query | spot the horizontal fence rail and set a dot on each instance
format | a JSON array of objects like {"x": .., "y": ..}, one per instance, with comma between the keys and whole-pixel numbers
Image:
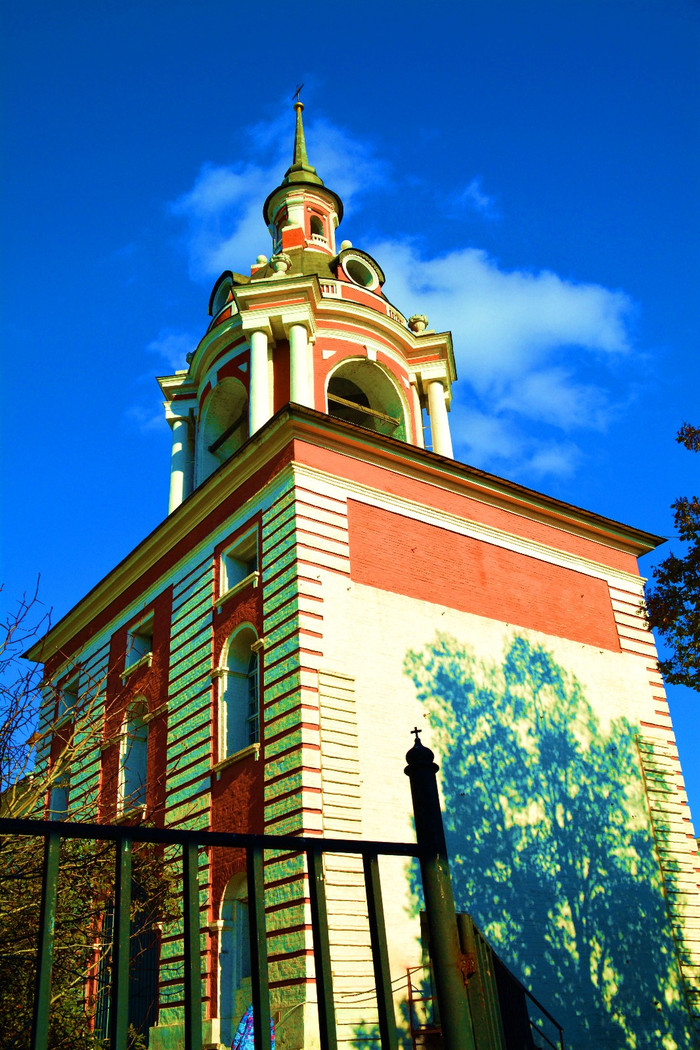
[
  {"x": 460, "y": 1026},
  {"x": 190, "y": 842}
]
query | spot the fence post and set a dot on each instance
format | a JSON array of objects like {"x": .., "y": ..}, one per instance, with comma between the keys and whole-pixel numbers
[{"x": 445, "y": 952}]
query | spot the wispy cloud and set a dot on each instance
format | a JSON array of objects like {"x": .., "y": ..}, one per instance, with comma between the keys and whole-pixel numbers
[
  {"x": 144, "y": 420},
  {"x": 172, "y": 345},
  {"x": 222, "y": 211},
  {"x": 473, "y": 196},
  {"x": 535, "y": 351},
  {"x": 502, "y": 442},
  {"x": 525, "y": 344}
]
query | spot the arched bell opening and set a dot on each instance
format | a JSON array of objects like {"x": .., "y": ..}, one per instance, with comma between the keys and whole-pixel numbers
[
  {"x": 362, "y": 393},
  {"x": 223, "y": 426}
]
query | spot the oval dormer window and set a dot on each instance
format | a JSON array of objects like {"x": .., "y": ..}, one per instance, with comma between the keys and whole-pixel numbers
[
  {"x": 360, "y": 272},
  {"x": 221, "y": 293}
]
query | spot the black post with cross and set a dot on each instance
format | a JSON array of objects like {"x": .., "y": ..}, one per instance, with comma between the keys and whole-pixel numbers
[{"x": 445, "y": 951}]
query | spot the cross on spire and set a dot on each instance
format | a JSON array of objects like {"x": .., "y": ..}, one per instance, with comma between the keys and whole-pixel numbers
[
  {"x": 296, "y": 94},
  {"x": 416, "y": 732}
]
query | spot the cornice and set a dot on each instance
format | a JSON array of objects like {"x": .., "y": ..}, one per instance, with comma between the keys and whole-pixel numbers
[
  {"x": 295, "y": 422},
  {"x": 468, "y": 527}
]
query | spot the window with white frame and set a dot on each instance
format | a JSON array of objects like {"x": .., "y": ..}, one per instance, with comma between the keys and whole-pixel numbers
[
  {"x": 239, "y": 706},
  {"x": 133, "y": 758},
  {"x": 239, "y": 564},
  {"x": 68, "y": 697},
  {"x": 139, "y": 643}
]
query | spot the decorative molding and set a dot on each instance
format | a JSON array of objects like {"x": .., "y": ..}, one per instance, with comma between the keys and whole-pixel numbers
[
  {"x": 455, "y": 523},
  {"x": 252, "y": 578},
  {"x": 143, "y": 661},
  {"x": 230, "y": 760},
  {"x": 155, "y": 714}
]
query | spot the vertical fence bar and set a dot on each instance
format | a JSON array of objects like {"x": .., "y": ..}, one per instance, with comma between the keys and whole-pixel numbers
[
  {"x": 47, "y": 924},
  {"x": 380, "y": 954},
  {"x": 258, "y": 947},
  {"x": 445, "y": 951},
  {"x": 119, "y": 1009},
  {"x": 193, "y": 961},
  {"x": 322, "y": 951}
]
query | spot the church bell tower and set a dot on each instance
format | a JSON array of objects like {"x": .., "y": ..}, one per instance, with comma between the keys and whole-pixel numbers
[
  {"x": 329, "y": 577},
  {"x": 311, "y": 326}
]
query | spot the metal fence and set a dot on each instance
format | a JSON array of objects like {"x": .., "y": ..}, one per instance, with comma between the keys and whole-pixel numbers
[{"x": 451, "y": 964}]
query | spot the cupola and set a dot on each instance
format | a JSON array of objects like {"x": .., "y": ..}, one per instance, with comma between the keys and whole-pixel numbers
[
  {"x": 310, "y": 326},
  {"x": 302, "y": 213}
]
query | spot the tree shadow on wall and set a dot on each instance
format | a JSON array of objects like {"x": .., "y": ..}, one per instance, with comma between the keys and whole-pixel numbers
[{"x": 550, "y": 845}]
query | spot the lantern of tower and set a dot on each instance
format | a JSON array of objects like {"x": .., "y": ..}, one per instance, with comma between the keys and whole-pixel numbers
[{"x": 310, "y": 325}]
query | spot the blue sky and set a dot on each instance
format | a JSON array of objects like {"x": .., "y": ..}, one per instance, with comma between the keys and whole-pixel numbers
[{"x": 525, "y": 172}]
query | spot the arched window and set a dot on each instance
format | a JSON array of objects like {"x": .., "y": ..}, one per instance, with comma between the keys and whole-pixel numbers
[
  {"x": 234, "y": 958},
  {"x": 239, "y": 708},
  {"x": 133, "y": 757},
  {"x": 221, "y": 293},
  {"x": 361, "y": 392},
  {"x": 316, "y": 227},
  {"x": 223, "y": 426}
]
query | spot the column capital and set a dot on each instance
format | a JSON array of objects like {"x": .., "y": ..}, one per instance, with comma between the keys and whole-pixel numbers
[
  {"x": 435, "y": 371},
  {"x": 256, "y": 321},
  {"x": 300, "y": 314},
  {"x": 172, "y": 419}
]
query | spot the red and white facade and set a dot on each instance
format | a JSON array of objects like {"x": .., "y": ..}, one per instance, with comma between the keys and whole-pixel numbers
[{"x": 319, "y": 529}]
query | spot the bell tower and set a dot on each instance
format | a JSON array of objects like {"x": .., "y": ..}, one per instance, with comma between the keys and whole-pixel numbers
[
  {"x": 328, "y": 577},
  {"x": 312, "y": 326}
]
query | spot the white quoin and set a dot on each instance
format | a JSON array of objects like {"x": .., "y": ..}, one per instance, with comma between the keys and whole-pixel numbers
[
  {"x": 181, "y": 462},
  {"x": 439, "y": 423}
]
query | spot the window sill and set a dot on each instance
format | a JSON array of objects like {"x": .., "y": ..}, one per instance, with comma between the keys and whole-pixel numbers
[
  {"x": 143, "y": 661},
  {"x": 252, "y": 578},
  {"x": 251, "y": 749},
  {"x": 154, "y": 714},
  {"x": 133, "y": 814}
]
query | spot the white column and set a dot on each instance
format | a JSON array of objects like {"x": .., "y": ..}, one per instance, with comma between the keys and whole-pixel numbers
[
  {"x": 417, "y": 415},
  {"x": 181, "y": 462},
  {"x": 439, "y": 425},
  {"x": 259, "y": 393},
  {"x": 300, "y": 366}
]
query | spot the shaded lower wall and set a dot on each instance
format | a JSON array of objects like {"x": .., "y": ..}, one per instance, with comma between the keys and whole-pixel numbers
[{"x": 547, "y": 819}]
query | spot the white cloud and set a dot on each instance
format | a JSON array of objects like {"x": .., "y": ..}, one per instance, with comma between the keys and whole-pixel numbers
[
  {"x": 474, "y": 196},
  {"x": 535, "y": 351},
  {"x": 172, "y": 346},
  {"x": 501, "y": 442},
  {"x": 225, "y": 228},
  {"x": 144, "y": 420},
  {"x": 524, "y": 343},
  {"x": 552, "y": 395},
  {"x": 223, "y": 209},
  {"x": 504, "y": 323}
]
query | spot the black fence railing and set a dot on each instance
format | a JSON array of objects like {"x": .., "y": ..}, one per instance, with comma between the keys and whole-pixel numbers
[{"x": 460, "y": 1026}]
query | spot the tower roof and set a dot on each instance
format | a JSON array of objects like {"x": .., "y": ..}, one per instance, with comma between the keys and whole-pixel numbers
[{"x": 300, "y": 172}]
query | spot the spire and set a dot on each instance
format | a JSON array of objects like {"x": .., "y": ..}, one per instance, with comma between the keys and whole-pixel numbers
[{"x": 300, "y": 170}]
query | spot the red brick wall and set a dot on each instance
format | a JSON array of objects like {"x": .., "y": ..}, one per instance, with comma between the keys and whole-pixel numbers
[{"x": 424, "y": 561}]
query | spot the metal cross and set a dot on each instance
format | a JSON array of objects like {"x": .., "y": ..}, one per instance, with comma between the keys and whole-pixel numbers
[
  {"x": 416, "y": 731},
  {"x": 296, "y": 94}
]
